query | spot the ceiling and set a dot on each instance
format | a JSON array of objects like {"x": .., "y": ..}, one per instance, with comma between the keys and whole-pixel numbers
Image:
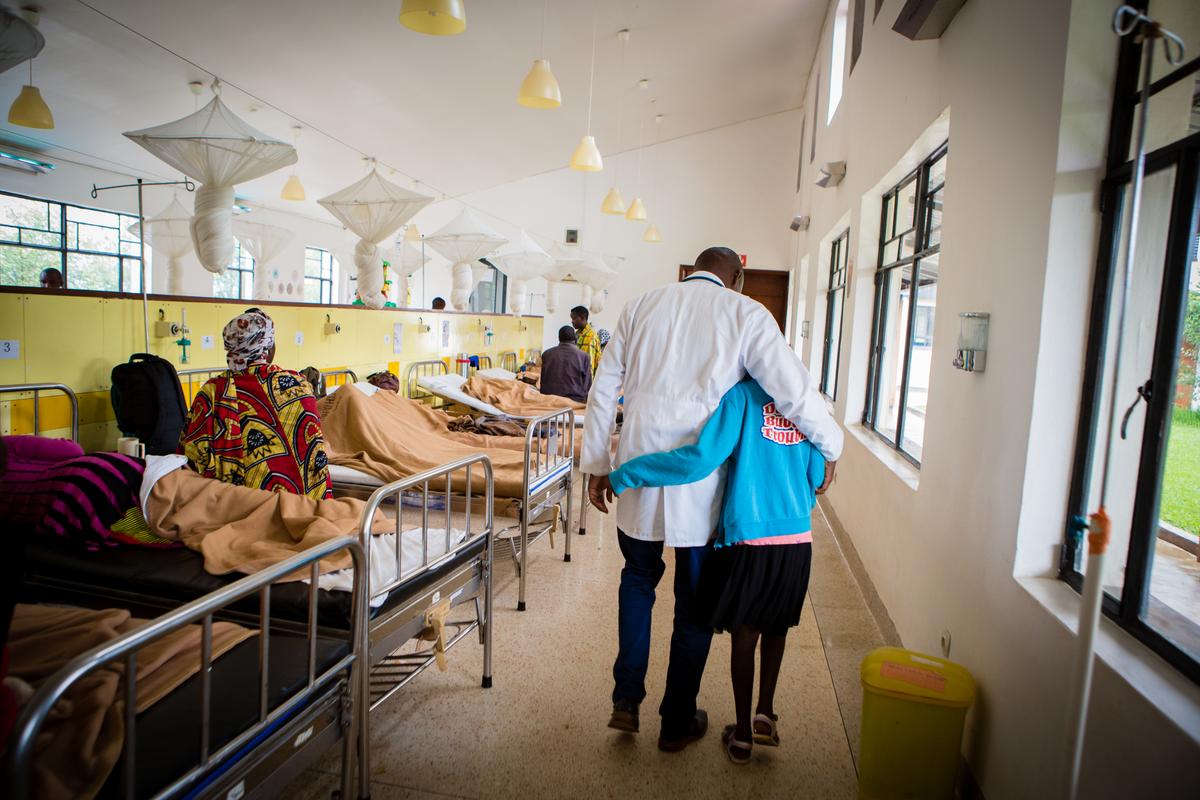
[{"x": 440, "y": 110}]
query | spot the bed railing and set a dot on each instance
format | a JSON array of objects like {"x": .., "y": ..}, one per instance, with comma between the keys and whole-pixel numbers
[
  {"x": 346, "y": 376},
  {"x": 417, "y": 370},
  {"x": 124, "y": 650},
  {"x": 36, "y": 389},
  {"x": 188, "y": 378},
  {"x": 509, "y": 360},
  {"x": 485, "y": 362},
  {"x": 460, "y": 472},
  {"x": 549, "y": 468},
  {"x": 533, "y": 355}
]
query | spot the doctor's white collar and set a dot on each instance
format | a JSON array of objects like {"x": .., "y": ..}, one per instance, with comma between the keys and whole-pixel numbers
[{"x": 706, "y": 276}]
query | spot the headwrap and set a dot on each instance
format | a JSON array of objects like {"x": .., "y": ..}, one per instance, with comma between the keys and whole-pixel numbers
[
  {"x": 248, "y": 337},
  {"x": 603, "y": 335}
]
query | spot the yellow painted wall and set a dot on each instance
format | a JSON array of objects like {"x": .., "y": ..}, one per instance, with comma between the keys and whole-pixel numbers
[{"x": 78, "y": 340}]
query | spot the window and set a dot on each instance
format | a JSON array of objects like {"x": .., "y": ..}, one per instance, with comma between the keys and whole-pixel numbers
[
  {"x": 812, "y": 143},
  {"x": 856, "y": 35},
  {"x": 800, "y": 168},
  {"x": 910, "y": 237},
  {"x": 837, "y": 59},
  {"x": 93, "y": 249},
  {"x": 320, "y": 276},
  {"x": 237, "y": 282},
  {"x": 489, "y": 296},
  {"x": 1153, "y": 494},
  {"x": 835, "y": 306}
]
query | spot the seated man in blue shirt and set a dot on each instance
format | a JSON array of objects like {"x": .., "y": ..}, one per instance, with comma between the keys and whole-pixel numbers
[{"x": 566, "y": 370}]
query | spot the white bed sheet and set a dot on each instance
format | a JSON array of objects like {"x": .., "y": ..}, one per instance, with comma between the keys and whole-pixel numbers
[
  {"x": 450, "y": 387},
  {"x": 383, "y": 560}
]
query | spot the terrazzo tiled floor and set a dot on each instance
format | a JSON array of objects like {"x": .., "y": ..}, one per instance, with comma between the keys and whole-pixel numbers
[{"x": 541, "y": 730}]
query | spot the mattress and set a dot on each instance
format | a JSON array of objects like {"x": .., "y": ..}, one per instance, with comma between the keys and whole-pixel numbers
[
  {"x": 167, "y": 735},
  {"x": 450, "y": 387}
]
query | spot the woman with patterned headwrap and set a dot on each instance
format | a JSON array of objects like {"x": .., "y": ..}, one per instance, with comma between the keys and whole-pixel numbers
[{"x": 256, "y": 424}]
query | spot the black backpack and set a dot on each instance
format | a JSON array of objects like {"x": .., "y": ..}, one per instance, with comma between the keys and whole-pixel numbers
[{"x": 148, "y": 402}]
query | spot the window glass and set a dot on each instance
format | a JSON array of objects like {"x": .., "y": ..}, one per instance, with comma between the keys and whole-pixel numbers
[
  {"x": 237, "y": 282},
  {"x": 835, "y": 301},
  {"x": 94, "y": 272},
  {"x": 320, "y": 276},
  {"x": 22, "y": 266},
  {"x": 837, "y": 58}
]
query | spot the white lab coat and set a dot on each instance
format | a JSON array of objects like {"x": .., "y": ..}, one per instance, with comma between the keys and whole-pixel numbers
[{"x": 674, "y": 354}]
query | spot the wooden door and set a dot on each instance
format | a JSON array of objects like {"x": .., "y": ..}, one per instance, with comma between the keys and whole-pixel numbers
[{"x": 767, "y": 286}]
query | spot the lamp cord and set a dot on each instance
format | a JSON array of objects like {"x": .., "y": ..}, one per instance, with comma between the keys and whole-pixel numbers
[
  {"x": 543, "y": 46},
  {"x": 592, "y": 77}
]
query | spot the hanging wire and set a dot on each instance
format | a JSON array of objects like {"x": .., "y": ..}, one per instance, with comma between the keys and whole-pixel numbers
[
  {"x": 592, "y": 74},
  {"x": 542, "y": 48}
]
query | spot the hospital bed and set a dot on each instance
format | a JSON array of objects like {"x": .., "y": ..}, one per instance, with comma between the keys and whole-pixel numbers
[
  {"x": 160, "y": 579},
  {"x": 34, "y": 390},
  {"x": 547, "y": 479},
  {"x": 432, "y": 379},
  {"x": 194, "y": 376},
  {"x": 246, "y": 723},
  {"x": 534, "y": 355},
  {"x": 509, "y": 361}
]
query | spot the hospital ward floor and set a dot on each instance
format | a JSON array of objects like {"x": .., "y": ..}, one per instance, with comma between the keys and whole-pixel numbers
[{"x": 540, "y": 731}]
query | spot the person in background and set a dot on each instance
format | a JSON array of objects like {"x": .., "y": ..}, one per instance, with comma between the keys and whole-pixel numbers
[
  {"x": 754, "y": 582},
  {"x": 603, "y": 335},
  {"x": 257, "y": 425},
  {"x": 384, "y": 380},
  {"x": 315, "y": 382},
  {"x": 439, "y": 304},
  {"x": 566, "y": 370},
  {"x": 675, "y": 352},
  {"x": 51, "y": 278},
  {"x": 586, "y": 338}
]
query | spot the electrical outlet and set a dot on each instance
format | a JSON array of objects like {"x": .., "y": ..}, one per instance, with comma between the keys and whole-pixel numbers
[
  {"x": 299, "y": 337},
  {"x": 945, "y": 642}
]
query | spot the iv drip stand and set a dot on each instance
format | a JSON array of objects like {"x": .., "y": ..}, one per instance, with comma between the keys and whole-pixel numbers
[
  {"x": 187, "y": 184},
  {"x": 1126, "y": 21}
]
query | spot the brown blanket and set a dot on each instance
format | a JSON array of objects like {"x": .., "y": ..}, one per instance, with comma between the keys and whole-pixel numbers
[
  {"x": 487, "y": 425},
  {"x": 83, "y": 736},
  {"x": 392, "y": 437},
  {"x": 517, "y": 398},
  {"x": 239, "y": 529}
]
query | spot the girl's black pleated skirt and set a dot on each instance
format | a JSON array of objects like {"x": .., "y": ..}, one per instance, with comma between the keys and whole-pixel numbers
[{"x": 759, "y": 585}]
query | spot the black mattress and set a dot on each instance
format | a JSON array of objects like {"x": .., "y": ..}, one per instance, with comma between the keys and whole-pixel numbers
[
  {"x": 167, "y": 738},
  {"x": 175, "y": 576}
]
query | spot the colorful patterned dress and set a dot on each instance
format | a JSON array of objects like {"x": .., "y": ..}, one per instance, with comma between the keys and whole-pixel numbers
[
  {"x": 259, "y": 428},
  {"x": 589, "y": 342}
]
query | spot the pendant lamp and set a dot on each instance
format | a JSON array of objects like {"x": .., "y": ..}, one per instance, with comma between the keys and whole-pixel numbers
[
  {"x": 463, "y": 241},
  {"x": 434, "y": 17},
  {"x": 217, "y": 149},
  {"x": 637, "y": 211},
  {"x": 264, "y": 243},
  {"x": 29, "y": 110},
  {"x": 613, "y": 202},
  {"x": 586, "y": 157},
  {"x": 168, "y": 234},
  {"x": 293, "y": 189},
  {"x": 522, "y": 262},
  {"x": 652, "y": 234},
  {"x": 540, "y": 88},
  {"x": 373, "y": 209}
]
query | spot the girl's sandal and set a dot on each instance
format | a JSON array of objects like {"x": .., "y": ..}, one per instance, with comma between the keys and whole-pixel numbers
[
  {"x": 765, "y": 732},
  {"x": 738, "y": 751}
]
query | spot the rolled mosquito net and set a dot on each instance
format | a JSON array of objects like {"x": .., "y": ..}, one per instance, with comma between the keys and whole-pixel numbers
[
  {"x": 217, "y": 149},
  {"x": 596, "y": 276},
  {"x": 523, "y": 261},
  {"x": 167, "y": 234},
  {"x": 567, "y": 259},
  {"x": 265, "y": 243},
  {"x": 463, "y": 241}
]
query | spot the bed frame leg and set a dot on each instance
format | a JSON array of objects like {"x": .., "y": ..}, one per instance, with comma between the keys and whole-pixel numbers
[
  {"x": 523, "y": 566},
  {"x": 583, "y": 505}
]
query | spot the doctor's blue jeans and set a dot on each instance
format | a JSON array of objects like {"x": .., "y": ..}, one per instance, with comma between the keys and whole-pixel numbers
[{"x": 690, "y": 640}]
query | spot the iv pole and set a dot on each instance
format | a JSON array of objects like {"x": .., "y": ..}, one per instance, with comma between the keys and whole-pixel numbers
[
  {"x": 187, "y": 184},
  {"x": 1126, "y": 21}
]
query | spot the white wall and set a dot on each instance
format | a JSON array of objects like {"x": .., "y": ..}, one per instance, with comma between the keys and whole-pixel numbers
[{"x": 951, "y": 547}]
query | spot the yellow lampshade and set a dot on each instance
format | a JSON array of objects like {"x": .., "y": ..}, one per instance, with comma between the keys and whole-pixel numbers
[
  {"x": 540, "y": 88},
  {"x": 586, "y": 157},
  {"x": 652, "y": 234},
  {"x": 293, "y": 189},
  {"x": 613, "y": 202},
  {"x": 29, "y": 110},
  {"x": 637, "y": 211},
  {"x": 434, "y": 17},
  {"x": 413, "y": 234}
]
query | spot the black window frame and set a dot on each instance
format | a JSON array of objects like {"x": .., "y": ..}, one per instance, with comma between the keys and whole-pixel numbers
[
  {"x": 922, "y": 249},
  {"x": 65, "y": 251},
  {"x": 499, "y": 293},
  {"x": 835, "y": 293},
  {"x": 1183, "y": 155},
  {"x": 326, "y": 281},
  {"x": 235, "y": 266}
]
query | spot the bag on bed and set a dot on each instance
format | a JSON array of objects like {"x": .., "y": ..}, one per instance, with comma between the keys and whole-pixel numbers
[{"x": 148, "y": 401}]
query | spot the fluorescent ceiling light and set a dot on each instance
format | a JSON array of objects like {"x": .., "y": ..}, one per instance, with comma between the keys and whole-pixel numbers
[{"x": 24, "y": 163}]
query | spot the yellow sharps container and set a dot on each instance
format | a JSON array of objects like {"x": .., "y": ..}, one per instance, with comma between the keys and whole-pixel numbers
[{"x": 914, "y": 708}]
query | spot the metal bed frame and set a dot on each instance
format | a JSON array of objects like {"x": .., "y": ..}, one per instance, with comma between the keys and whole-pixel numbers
[
  {"x": 208, "y": 372},
  {"x": 419, "y": 369},
  {"x": 326, "y": 374},
  {"x": 330, "y": 702},
  {"x": 36, "y": 389},
  {"x": 534, "y": 354},
  {"x": 509, "y": 360},
  {"x": 481, "y": 359}
]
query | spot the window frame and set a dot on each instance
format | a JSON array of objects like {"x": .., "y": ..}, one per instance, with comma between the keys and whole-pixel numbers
[
  {"x": 922, "y": 250},
  {"x": 839, "y": 264},
  {"x": 235, "y": 266},
  {"x": 499, "y": 294},
  {"x": 325, "y": 282},
  {"x": 64, "y": 251},
  {"x": 1183, "y": 155}
]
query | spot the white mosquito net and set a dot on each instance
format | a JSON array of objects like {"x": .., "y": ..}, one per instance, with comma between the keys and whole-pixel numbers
[
  {"x": 408, "y": 260},
  {"x": 19, "y": 41},
  {"x": 217, "y": 149},
  {"x": 522, "y": 262},
  {"x": 463, "y": 241},
  {"x": 373, "y": 209},
  {"x": 567, "y": 259},
  {"x": 264, "y": 243},
  {"x": 167, "y": 233},
  {"x": 596, "y": 276}
]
